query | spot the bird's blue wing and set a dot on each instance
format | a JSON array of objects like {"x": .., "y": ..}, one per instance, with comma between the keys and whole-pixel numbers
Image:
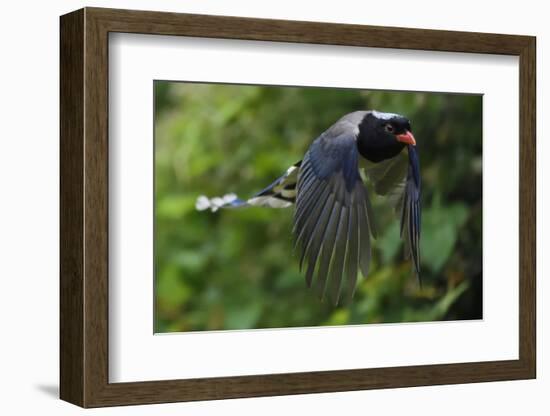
[
  {"x": 411, "y": 215},
  {"x": 333, "y": 215},
  {"x": 398, "y": 179}
]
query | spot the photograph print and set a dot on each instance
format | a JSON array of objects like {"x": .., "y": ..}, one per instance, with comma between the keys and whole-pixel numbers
[{"x": 280, "y": 207}]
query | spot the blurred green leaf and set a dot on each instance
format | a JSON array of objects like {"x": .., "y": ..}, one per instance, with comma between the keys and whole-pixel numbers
[
  {"x": 175, "y": 206},
  {"x": 440, "y": 228},
  {"x": 244, "y": 315}
]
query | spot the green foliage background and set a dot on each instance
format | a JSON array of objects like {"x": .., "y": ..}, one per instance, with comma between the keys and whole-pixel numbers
[{"x": 235, "y": 269}]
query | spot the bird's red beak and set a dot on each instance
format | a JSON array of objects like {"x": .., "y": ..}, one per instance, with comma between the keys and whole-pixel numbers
[{"x": 406, "y": 137}]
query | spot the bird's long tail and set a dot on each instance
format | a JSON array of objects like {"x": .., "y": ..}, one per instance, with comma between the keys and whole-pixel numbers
[{"x": 280, "y": 194}]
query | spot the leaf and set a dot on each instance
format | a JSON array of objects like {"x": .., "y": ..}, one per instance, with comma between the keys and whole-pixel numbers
[
  {"x": 440, "y": 229},
  {"x": 243, "y": 315},
  {"x": 439, "y": 310},
  {"x": 170, "y": 289},
  {"x": 444, "y": 304},
  {"x": 390, "y": 242},
  {"x": 175, "y": 206}
]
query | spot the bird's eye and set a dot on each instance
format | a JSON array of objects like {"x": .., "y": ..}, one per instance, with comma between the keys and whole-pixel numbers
[{"x": 389, "y": 128}]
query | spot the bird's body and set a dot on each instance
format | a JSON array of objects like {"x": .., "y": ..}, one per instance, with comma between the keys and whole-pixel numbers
[{"x": 333, "y": 217}]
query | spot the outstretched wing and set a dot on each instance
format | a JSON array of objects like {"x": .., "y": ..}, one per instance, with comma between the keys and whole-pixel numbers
[
  {"x": 388, "y": 177},
  {"x": 411, "y": 209},
  {"x": 398, "y": 179},
  {"x": 332, "y": 220}
]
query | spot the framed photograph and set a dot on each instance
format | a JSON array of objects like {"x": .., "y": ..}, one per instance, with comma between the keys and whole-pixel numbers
[{"x": 255, "y": 207}]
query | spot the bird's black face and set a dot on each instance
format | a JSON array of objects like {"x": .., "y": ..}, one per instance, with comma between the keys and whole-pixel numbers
[{"x": 383, "y": 135}]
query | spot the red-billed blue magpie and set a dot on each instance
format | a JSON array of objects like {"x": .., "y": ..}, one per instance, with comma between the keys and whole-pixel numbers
[{"x": 333, "y": 216}]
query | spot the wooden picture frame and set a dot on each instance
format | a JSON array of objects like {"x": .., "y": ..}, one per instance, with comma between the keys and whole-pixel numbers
[{"x": 84, "y": 207}]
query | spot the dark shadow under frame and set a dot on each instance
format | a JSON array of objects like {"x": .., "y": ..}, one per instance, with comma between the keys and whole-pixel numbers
[{"x": 84, "y": 207}]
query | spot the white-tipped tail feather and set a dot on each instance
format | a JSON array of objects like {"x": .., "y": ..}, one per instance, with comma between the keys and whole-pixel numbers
[{"x": 213, "y": 204}]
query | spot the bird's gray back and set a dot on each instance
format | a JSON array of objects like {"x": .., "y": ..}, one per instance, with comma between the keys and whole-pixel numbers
[{"x": 347, "y": 125}]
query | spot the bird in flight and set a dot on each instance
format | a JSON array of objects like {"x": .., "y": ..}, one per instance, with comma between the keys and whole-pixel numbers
[{"x": 333, "y": 216}]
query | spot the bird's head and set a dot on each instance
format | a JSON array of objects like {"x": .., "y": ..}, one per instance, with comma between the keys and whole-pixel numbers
[
  {"x": 393, "y": 127},
  {"x": 383, "y": 135}
]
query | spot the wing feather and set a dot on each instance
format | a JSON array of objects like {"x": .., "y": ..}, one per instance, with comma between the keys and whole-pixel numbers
[
  {"x": 315, "y": 220},
  {"x": 310, "y": 201},
  {"x": 385, "y": 176},
  {"x": 364, "y": 241},
  {"x": 411, "y": 211},
  {"x": 398, "y": 179},
  {"x": 317, "y": 239},
  {"x": 337, "y": 266},
  {"x": 352, "y": 262},
  {"x": 329, "y": 242},
  {"x": 333, "y": 217}
]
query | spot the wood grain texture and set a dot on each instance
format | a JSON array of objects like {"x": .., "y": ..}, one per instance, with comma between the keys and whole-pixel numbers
[
  {"x": 228, "y": 27},
  {"x": 96, "y": 218},
  {"x": 84, "y": 207},
  {"x": 527, "y": 208},
  {"x": 71, "y": 185}
]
